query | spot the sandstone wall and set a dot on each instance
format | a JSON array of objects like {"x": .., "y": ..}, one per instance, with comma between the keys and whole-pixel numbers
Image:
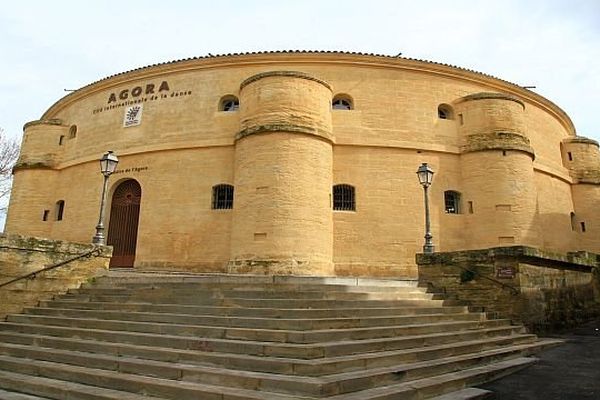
[
  {"x": 500, "y": 147},
  {"x": 20, "y": 255},
  {"x": 543, "y": 290}
]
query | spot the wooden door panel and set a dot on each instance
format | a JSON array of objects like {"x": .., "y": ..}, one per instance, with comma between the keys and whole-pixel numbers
[{"x": 124, "y": 220}]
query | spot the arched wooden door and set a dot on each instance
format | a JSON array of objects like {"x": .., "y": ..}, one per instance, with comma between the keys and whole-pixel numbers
[{"x": 124, "y": 218}]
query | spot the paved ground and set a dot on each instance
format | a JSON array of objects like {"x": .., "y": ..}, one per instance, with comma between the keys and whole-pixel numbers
[{"x": 567, "y": 372}]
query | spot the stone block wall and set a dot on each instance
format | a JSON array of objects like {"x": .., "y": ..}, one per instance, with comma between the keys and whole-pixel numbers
[
  {"x": 543, "y": 290},
  {"x": 20, "y": 255}
]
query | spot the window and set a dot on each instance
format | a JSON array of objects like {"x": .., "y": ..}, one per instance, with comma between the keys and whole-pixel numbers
[
  {"x": 45, "y": 215},
  {"x": 73, "y": 132},
  {"x": 61, "y": 139},
  {"x": 582, "y": 226},
  {"x": 342, "y": 102},
  {"x": 452, "y": 202},
  {"x": 573, "y": 221},
  {"x": 229, "y": 103},
  {"x": 222, "y": 197},
  {"x": 570, "y": 155},
  {"x": 445, "y": 112},
  {"x": 343, "y": 198},
  {"x": 60, "y": 209}
]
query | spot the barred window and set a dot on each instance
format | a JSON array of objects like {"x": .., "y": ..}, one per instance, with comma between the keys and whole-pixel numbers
[
  {"x": 222, "y": 197},
  {"x": 452, "y": 202},
  {"x": 344, "y": 198}
]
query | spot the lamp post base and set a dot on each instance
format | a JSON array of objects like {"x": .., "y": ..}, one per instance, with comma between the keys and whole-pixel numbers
[{"x": 99, "y": 236}]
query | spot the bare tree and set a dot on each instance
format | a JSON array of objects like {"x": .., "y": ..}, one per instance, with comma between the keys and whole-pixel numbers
[{"x": 9, "y": 152}]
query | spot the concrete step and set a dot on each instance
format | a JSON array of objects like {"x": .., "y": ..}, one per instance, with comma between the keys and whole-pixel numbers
[
  {"x": 117, "y": 278},
  {"x": 245, "y": 287},
  {"x": 168, "y": 293},
  {"x": 441, "y": 384},
  {"x": 290, "y": 366},
  {"x": 6, "y": 395},
  {"x": 257, "y": 334},
  {"x": 38, "y": 387},
  {"x": 258, "y": 348},
  {"x": 59, "y": 361},
  {"x": 261, "y": 303},
  {"x": 289, "y": 313},
  {"x": 257, "y": 322},
  {"x": 110, "y": 385}
]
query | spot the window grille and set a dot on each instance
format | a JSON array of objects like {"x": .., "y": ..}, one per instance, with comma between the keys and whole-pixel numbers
[
  {"x": 452, "y": 202},
  {"x": 344, "y": 198},
  {"x": 222, "y": 197}
]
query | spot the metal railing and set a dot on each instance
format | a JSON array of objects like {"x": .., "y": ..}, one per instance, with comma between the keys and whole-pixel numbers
[
  {"x": 513, "y": 289},
  {"x": 88, "y": 254}
]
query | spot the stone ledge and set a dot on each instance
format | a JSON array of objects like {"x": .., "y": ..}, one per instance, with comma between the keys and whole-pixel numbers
[
  {"x": 498, "y": 140},
  {"x": 576, "y": 261},
  {"x": 284, "y": 128},
  {"x": 291, "y": 74}
]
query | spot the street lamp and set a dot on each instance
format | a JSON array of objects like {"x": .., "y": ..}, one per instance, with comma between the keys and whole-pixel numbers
[
  {"x": 425, "y": 175},
  {"x": 108, "y": 164}
]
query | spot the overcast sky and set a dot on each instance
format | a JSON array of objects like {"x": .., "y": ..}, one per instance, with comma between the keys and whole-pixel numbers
[{"x": 48, "y": 46}]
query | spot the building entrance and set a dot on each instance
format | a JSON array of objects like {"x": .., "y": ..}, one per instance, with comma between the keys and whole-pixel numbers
[{"x": 124, "y": 219}]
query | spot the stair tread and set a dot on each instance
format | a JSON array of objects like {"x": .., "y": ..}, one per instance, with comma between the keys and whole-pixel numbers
[
  {"x": 183, "y": 370},
  {"x": 64, "y": 387},
  {"x": 332, "y": 359},
  {"x": 9, "y": 395},
  {"x": 104, "y": 376},
  {"x": 231, "y": 337},
  {"x": 314, "y": 331},
  {"x": 412, "y": 386},
  {"x": 267, "y": 343}
]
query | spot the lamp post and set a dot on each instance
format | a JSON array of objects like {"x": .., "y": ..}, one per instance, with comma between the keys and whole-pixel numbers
[
  {"x": 425, "y": 175},
  {"x": 108, "y": 164}
]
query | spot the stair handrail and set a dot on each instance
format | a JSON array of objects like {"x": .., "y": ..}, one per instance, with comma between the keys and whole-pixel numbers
[
  {"x": 512, "y": 288},
  {"x": 88, "y": 254}
]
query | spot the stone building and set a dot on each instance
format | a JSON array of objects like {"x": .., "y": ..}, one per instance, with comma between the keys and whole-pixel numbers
[{"x": 304, "y": 163}]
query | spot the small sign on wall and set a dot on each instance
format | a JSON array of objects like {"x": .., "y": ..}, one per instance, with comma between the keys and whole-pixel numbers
[
  {"x": 133, "y": 115},
  {"x": 505, "y": 272}
]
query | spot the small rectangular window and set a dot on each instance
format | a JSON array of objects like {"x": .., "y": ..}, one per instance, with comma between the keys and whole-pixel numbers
[
  {"x": 582, "y": 226},
  {"x": 61, "y": 139},
  {"x": 46, "y": 215},
  {"x": 222, "y": 197},
  {"x": 470, "y": 207},
  {"x": 570, "y": 155},
  {"x": 460, "y": 119},
  {"x": 452, "y": 202},
  {"x": 344, "y": 198}
]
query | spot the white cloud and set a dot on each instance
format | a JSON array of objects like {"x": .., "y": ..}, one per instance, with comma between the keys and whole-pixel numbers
[{"x": 49, "y": 46}]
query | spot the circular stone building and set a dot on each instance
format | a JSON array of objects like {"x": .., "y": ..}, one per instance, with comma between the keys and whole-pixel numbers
[{"x": 304, "y": 163}]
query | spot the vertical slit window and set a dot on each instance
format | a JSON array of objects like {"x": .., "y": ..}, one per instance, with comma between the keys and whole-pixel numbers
[
  {"x": 60, "y": 210},
  {"x": 344, "y": 198},
  {"x": 222, "y": 197},
  {"x": 45, "y": 215}
]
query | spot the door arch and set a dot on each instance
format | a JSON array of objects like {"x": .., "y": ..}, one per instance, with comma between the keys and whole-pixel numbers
[{"x": 123, "y": 226}]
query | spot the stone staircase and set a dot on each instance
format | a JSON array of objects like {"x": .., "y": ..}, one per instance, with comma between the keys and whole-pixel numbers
[{"x": 139, "y": 336}]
